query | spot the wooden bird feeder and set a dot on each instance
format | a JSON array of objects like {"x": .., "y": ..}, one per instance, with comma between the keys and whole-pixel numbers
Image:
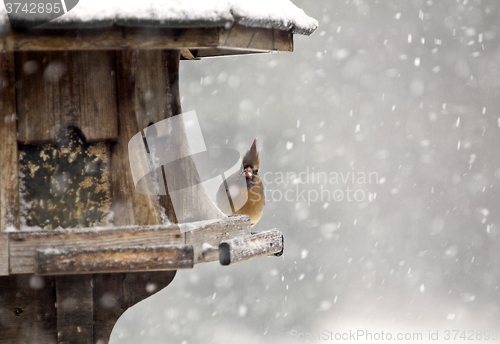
[{"x": 78, "y": 244}]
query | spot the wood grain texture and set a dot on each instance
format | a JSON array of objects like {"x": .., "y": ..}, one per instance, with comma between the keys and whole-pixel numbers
[
  {"x": 4, "y": 254},
  {"x": 143, "y": 98},
  {"x": 27, "y": 309},
  {"x": 22, "y": 245},
  {"x": 9, "y": 171},
  {"x": 234, "y": 226},
  {"x": 115, "y": 293},
  {"x": 192, "y": 203},
  {"x": 113, "y": 259},
  {"x": 60, "y": 89},
  {"x": 239, "y": 39},
  {"x": 251, "y": 246},
  {"x": 212, "y": 52},
  {"x": 283, "y": 40},
  {"x": 246, "y": 38},
  {"x": 262, "y": 39},
  {"x": 113, "y": 38},
  {"x": 75, "y": 309}
]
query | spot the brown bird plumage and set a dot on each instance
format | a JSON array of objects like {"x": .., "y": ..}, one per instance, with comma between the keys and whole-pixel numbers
[{"x": 244, "y": 185}]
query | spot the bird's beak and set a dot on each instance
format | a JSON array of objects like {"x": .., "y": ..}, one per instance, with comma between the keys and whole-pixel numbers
[{"x": 249, "y": 172}]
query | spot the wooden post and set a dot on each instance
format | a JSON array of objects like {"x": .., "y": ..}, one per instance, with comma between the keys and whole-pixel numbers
[
  {"x": 75, "y": 310},
  {"x": 9, "y": 171},
  {"x": 148, "y": 92}
]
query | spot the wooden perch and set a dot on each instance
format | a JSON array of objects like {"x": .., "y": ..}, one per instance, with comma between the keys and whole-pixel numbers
[
  {"x": 118, "y": 259},
  {"x": 205, "y": 240},
  {"x": 93, "y": 250},
  {"x": 251, "y": 246}
]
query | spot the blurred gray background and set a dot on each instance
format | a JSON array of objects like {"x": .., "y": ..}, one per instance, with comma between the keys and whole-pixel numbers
[{"x": 406, "y": 90}]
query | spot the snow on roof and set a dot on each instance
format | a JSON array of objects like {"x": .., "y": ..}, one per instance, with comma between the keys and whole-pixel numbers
[{"x": 279, "y": 14}]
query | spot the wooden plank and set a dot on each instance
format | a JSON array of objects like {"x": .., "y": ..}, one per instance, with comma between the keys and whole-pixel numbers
[
  {"x": 60, "y": 89},
  {"x": 74, "y": 309},
  {"x": 262, "y": 40},
  {"x": 251, "y": 246},
  {"x": 4, "y": 253},
  {"x": 114, "y": 38},
  {"x": 142, "y": 99},
  {"x": 115, "y": 293},
  {"x": 215, "y": 52},
  {"x": 113, "y": 259},
  {"x": 283, "y": 40},
  {"x": 9, "y": 171},
  {"x": 246, "y": 38},
  {"x": 27, "y": 309},
  {"x": 242, "y": 39},
  {"x": 220, "y": 231},
  {"x": 187, "y": 198},
  {"x": 22, "y": 245},
  {"x": 239, "y": 37}
]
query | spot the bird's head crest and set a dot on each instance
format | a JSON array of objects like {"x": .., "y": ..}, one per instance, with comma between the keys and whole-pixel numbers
[{"x": 251, "y": 157}]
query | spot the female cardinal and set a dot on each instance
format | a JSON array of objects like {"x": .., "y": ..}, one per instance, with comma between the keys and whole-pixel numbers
[{"x": 243, "y": 192}]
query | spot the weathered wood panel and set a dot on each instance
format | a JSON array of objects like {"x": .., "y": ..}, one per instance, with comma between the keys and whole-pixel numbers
[
  {"x": 22, "y": 245},
  {"x": 283, "y": 40},
  {"x": 233, "y": 226},
  {"x": 115, "y": 293},
  {"x": 9, "y": 172},
  {"x": 237, "y": 40},
  {"x": 113, "y": 38},
  {"x": 4, "y": 254},
  {"x": 27, "y": 309},
  {"x": 75, "y": 310},
  {"x": 239, "y": 36},
  {"x": 191, "y": 203},
  {"x": 113, "y": 259},
  {"x": 60, "y": 89},
  {"x": 143, "y": 98},
  {"x": 251, "y": 246},
  {"x": 211, "y": 52},
  {"x": 262, "y": 40}
]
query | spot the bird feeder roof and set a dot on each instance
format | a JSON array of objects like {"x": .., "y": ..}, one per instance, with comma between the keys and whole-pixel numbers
[
  {"x": 277, "y": 14},
  {"x": 144, "y": 24}
]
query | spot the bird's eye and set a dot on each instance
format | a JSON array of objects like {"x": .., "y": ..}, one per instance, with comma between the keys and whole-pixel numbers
[{"x": 256, "y": 171}]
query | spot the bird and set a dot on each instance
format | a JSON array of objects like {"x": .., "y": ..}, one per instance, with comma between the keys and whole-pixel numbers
[{"x": 243, "y": 192}]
